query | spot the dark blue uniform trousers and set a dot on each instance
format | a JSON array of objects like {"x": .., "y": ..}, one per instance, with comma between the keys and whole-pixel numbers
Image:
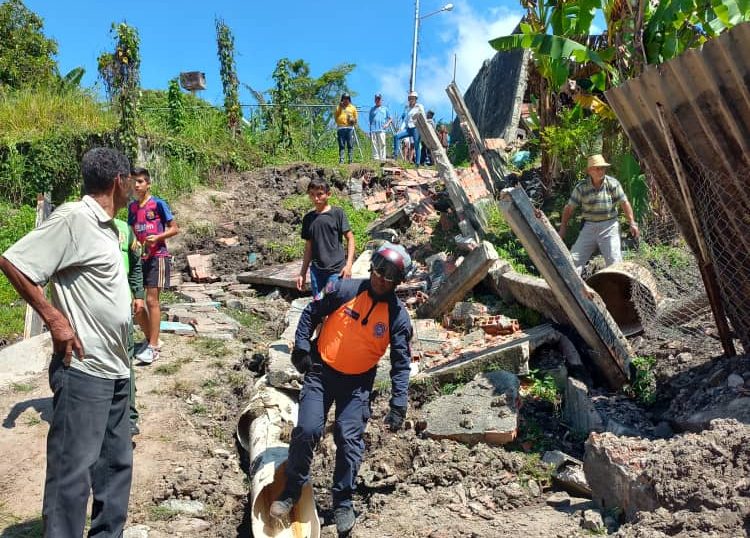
[
  {"x": 88, "y": 449},
  {"x": 322, "y": 387}
]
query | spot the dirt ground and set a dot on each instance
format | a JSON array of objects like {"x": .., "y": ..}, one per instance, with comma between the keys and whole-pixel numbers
[{"x": 408, "y": 487}]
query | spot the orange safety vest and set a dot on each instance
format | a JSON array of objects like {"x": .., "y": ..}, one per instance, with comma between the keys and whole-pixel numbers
[{"x": 348, "y": 344}]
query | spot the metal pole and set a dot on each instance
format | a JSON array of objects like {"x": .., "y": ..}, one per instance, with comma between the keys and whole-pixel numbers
[{"x": 413, "y": 78}]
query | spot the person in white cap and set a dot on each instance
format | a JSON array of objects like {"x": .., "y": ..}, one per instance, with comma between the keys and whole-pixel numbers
[
  {"x": 410, "y": 128},
  {"x": 598, "y": 197},
  {"x": 380, "y": 120}
]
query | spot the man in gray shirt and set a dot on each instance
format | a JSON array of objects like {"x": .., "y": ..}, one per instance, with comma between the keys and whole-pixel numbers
[{"x": 77, "y": 251}]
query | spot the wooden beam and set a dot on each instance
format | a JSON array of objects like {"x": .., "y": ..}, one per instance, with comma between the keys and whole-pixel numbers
[
  {"x": 33, "y": 325},
  {"x": 585, "y": 309},
  {"x": 474, "y": 268},
  {"x": 467, "y": 219},
  {"x": 487, "y": 160}
]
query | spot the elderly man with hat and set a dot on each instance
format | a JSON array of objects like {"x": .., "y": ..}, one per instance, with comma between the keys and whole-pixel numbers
[
  {"x": 598, "y": 197},
  {"x": 346, "y": 120},
  {"x": 361, "y": 320},
  {"x": 380, "y": 120}
]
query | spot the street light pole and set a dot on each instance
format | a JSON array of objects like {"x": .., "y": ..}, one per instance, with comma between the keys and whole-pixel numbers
[
  {"x": 417, "y": 18},
  {"x": 413, "y": 77}
]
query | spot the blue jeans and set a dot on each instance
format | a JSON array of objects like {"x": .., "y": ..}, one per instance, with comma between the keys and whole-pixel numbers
[
  {"x": 88, "y": 450},
  {"x": 319, "y": 279},
  {"x": 413, "y": 132},
  {"x": 322, "y": 387},
  {"x": 345, "y": 137}
]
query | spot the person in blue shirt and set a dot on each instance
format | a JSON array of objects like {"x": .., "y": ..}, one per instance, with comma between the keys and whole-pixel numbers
[
  {"x": 380, "y": 120},
  {"x": 409, "y": 128}
]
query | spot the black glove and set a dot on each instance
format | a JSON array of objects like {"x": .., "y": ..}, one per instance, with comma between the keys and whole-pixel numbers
[
  {"x": 301, "y": 360},
  {"x": 395, "y": 417}
]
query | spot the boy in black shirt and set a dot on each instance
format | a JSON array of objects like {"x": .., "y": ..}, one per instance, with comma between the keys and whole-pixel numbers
[{"x": 323, "y": 230}]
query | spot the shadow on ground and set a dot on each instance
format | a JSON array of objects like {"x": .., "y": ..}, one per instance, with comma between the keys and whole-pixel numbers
[
  {"x": 25, "y": 529},
  {"x": 43, "y": 406}
]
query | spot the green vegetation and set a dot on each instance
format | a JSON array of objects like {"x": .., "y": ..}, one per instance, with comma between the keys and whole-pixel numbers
[
  {"x": 507, "y": 245},
  {"x": 13, "y": 224},
  {"x": 673, "y": 256},
  {"x": 161, "y": 513},
  {"x": 26, "y": 54},
  {"x": 22, "y": 387},
  {"x": 120, "y": 71},
  {"x": 210, "y": 347},
  {"x": 449, "y": 388},
  {"x": 643, "y": 385},
  {"x": 247, "y": 319},
  {"x": 534, "y": 469},
  {"x": 543, "y": 388},
  {"x": 229, "y": 81},
  {"x": 198, "y": 409},
  {"x": 168, "y": 368}
]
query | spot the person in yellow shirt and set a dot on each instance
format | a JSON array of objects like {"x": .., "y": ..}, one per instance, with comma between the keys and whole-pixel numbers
[{"x": 346, "y": 120}]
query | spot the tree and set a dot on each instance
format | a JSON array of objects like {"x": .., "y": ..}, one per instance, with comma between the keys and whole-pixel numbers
[
  {"x": 121, "y": 73},
  {"x": 26, "y": 54},
  {"x": 229, "y": 80}
]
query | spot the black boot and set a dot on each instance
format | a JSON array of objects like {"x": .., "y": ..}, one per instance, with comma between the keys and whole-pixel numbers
[{"x": 345, "y": 519}]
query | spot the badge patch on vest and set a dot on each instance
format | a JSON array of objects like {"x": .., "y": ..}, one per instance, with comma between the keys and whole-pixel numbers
[{"x": 379, "y": 329}]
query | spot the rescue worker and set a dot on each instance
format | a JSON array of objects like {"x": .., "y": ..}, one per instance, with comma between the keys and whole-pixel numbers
[{"x": 361, "y": 318}]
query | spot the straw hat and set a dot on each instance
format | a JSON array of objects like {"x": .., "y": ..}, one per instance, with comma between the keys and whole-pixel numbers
[{"x": 596, "y": 160}]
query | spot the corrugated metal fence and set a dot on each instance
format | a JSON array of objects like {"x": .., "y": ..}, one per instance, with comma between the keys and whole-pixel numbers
[{"x": 689, "y": 123}]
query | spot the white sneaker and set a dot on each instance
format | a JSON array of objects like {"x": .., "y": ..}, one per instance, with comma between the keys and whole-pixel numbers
[{"x": 148, "y": 355}]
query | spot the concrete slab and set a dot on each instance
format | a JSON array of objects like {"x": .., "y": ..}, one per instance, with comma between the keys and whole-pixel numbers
[
  {"x": 483, "y": 410},
  {"x": 283, "y": 276},
  {"x": 25, "y": 359},
  {"x": 280, "y": 372}
]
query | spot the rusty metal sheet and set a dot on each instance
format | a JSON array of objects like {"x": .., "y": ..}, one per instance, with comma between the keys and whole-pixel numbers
[{"x": 705, "y": 97}]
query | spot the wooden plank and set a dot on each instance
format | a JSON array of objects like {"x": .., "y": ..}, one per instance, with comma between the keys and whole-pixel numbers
[
  {"x": 33, "y": 325},
  {"x": 474, "y": 268},
  {"x": 585, "y": 309},
  {"x": 468, "y": 222}
]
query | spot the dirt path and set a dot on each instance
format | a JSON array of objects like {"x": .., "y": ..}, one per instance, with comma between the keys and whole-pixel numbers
[{"x": 188, "y": 405}]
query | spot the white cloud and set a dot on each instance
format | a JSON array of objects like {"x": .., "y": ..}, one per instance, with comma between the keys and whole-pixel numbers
[{"x": 464, "y": 35}]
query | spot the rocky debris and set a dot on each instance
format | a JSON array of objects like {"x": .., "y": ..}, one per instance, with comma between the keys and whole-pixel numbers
[
  {"x": 193, "y": 508},
  {"x": 485, "y": 409},
  {"x": 136, "y": 531},
  {"x": 591, "y": 520},
  {"x": 567, "y": 472},
  {"x": 638, "y": 475},
  {"x": 455, "y": 287},
  {"x": 663, "y": 523},
  {"x": 280, "y": 370},
  {"x": 713, "y": 390},
  {"x": 603, "y": 412}
]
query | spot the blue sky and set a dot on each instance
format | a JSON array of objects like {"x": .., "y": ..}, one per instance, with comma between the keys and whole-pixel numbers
[{"x": 376, "y": 36}]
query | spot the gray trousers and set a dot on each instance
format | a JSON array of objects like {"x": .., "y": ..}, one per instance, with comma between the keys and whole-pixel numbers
[
  {"x": 603, "y": 235},
  {"x": 88, "y": 449}
]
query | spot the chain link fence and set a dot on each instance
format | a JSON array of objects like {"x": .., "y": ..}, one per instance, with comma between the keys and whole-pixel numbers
[{"x": 683, "y": 314}]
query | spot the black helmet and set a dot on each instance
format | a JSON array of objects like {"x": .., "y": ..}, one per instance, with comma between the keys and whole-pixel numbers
[
  {"x": 392, "y": 262},
  {"x": 346, "y": 96}
]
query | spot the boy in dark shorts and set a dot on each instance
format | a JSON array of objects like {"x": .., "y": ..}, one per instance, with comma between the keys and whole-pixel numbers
[
  {"x": 323, "y": 230},
  {"x": 152, "y": 222}
]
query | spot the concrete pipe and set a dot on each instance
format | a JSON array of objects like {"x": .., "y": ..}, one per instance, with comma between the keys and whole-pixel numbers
[
  {"x": 263, "y": 430},
  {"x": 619, "y": 286}
]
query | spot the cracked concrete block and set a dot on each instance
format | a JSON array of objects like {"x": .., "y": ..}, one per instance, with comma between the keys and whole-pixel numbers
[
  {"x": 485, "y": 409},
  {"x": 578, "y": 408},
  {"x": 280, "y": 371}
]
